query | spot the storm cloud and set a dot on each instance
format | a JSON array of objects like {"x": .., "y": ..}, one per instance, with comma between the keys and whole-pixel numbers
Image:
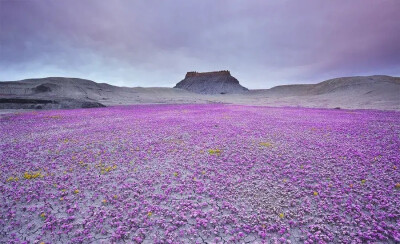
[{"x": 154, "y": 43}]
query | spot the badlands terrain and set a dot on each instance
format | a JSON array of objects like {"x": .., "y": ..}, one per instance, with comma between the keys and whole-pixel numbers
[
  {"x": 200, "y": 163},
  {"x": 360, "y": 92}
]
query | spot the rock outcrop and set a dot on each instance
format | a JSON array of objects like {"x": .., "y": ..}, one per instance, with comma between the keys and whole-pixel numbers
[
  {"x": 48, "y": 93},
  {"x": 217, "y": 82}
]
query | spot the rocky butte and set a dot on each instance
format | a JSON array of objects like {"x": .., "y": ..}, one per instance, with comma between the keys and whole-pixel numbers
[{"x": 216, "y": 82}]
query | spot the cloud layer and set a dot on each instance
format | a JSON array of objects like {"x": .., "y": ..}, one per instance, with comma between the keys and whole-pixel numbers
[{"x": 154, "y": 43}]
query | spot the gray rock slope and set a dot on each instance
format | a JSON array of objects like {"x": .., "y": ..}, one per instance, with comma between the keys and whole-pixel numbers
[
  {"x": 356, "y": 84},
  {"x": 358, "y": 92},
  {"x": 47, "y": 93},
  {"x": 361, "y": 92},
  {"x": 61, "y": 92},
  {"x": 218, "y": 82}
]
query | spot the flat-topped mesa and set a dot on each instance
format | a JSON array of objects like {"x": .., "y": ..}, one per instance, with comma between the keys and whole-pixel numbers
[
  {"x": 195, "y": 73},
  {"x": 216, "y": 82}
]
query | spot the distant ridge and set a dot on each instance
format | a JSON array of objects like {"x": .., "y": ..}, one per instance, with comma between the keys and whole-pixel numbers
[
  {"x": 215, "y": 82},
  {"x": 355, "y": 84},
  {"x": 358, "y": 92}
]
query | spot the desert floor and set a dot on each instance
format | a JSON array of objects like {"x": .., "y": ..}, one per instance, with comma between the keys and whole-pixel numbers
[{"x": 204, "y": 173}]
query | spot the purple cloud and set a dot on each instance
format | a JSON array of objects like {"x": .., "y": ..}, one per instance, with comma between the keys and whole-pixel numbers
[{"x": 153, "y": 43}]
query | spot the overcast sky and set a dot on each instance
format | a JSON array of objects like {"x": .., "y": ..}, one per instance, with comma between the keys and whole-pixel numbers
[{"x": 154, "y": 43}]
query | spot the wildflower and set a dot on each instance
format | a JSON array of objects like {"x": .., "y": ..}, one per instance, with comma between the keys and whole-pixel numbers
[
  {"x": 27, "y": 176},
  {"x": 266, "y": 144},
  {"x": 12, "y": 179},
  {"x": 238, "y": 174},
  {"x": 214, "y": 151},
  {"x": 34, "y": 175}
]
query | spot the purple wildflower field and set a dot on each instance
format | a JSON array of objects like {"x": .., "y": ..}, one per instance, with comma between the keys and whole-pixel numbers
[{"x": 200, "y": 174}]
